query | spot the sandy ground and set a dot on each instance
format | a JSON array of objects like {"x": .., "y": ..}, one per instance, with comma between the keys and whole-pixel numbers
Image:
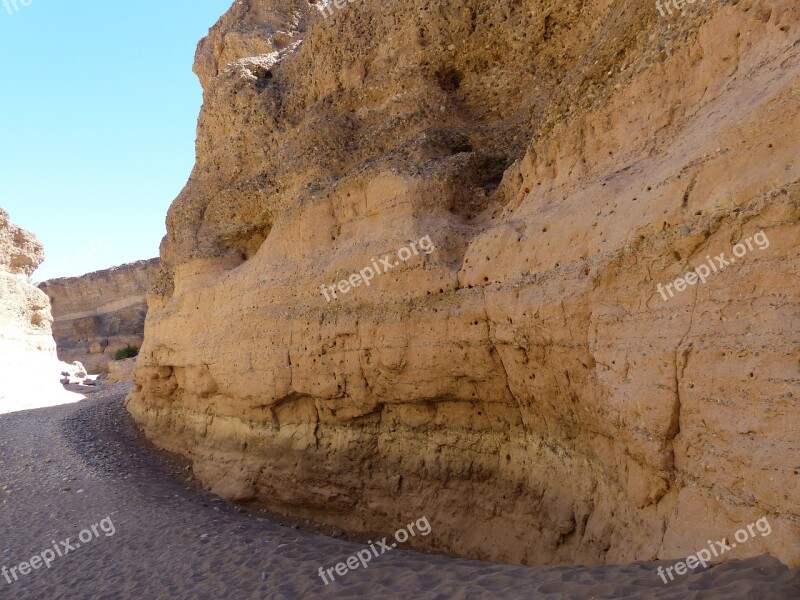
[
  {"x": 25, "y": 396},
  {"x": 159, "y": 535},
  {"x": 17, "y": 403}
]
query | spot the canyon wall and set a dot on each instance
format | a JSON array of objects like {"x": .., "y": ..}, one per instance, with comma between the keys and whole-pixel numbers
[
  {"x": 526, "y": 384},
  {"x": 99, "y": 313},
  {"x": 29, "y": 369}
]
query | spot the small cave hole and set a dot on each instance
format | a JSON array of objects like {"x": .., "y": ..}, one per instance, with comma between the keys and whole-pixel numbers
[
  {"x": 459, "y": 148},
  {"x": 262, "y": 72},
  {"x": 449, "y": 79},
  {"x": 263, "y": 76}
]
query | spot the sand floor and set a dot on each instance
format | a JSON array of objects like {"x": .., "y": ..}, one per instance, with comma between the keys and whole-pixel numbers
[
  {"x": 25, "y": 396},
  {"x": 66, "y": 468}
]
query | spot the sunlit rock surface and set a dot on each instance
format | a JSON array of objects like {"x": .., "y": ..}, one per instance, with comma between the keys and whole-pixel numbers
[
  {"x": 29, "y": 369},
  {"x": 525, "y": 386},
  {"x": 97, "y": 314}
]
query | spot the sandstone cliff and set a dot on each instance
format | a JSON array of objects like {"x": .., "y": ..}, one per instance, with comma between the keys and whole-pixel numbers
[
  {"x": 29, "y": 369},
  {"x": 525, "y": 385},
  {"x": 99, "y": 313}
]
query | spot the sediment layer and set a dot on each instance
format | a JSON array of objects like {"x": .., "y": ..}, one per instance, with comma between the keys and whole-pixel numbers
[
  {"x": 97, "y": 314},
  {"x": 526, "y": 385}
]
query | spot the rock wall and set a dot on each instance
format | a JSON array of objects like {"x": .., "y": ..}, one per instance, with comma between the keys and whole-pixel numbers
[
  {"x": 525, "y": 385},
  {"x": 100, "y": 313},
  {"x": 29, "y": 369}
]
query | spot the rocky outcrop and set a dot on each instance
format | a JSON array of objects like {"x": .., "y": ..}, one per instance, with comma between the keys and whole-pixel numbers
[
  {"x": 525, "y": 385},
  {"x": 100, "y": 313},
  {"x": 29, "y": 369},
  {"x": 121, "y": 370}
]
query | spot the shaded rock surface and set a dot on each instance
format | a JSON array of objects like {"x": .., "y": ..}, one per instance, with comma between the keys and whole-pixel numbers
[
  {"x": 525, "y": 385},
  {"x": 99, "y": 313}
]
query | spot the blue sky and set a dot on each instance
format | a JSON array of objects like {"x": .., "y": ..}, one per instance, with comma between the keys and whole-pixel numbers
[{"x": 98, "y": 109}]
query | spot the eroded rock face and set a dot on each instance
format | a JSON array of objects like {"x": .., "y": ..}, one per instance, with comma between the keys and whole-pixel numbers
[
  {"x": 121, "y": 370},
  {"x": 29, "y": 369},
  {"x": 525, "y": 386},
  {"x": 99, "y": 313}
]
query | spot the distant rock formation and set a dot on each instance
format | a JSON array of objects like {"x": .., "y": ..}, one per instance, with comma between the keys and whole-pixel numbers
[
  {"x": 29, "y": 369},
  {"x": 99, "y": 313},
  {"x": 121, "y": 370},
  {"x": 525, "y": 386}
]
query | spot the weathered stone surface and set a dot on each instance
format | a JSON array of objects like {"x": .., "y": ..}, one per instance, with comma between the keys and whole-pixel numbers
[
  {"x": 29, "y": 368},
  {"x": 121, "y": 370},
  {"x": 525, "y": 386},
  {"x": 99, "y": 313}
]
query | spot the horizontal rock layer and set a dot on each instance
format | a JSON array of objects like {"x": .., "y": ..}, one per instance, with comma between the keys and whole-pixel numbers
[
  {"x": 99, "y": 313},
  {"x": 524, "y": 385}
]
